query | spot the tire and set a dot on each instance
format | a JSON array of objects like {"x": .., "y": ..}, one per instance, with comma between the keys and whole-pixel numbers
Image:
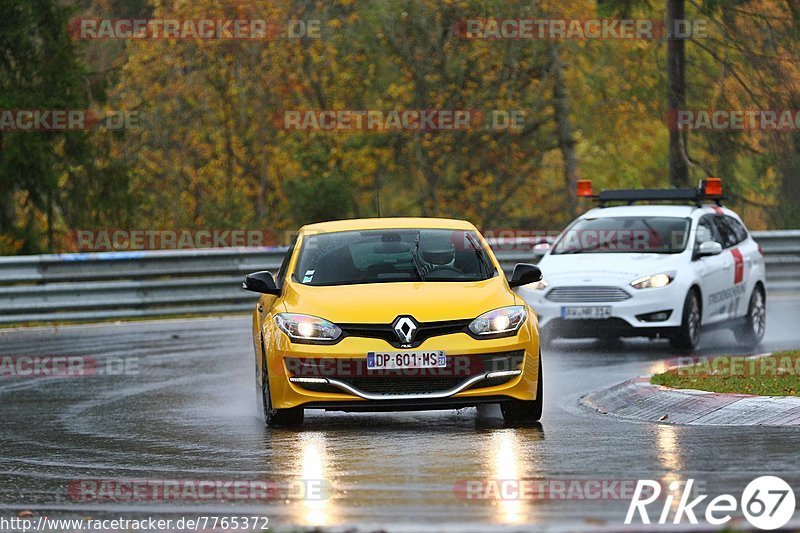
[
  {"x": 688, "y": 334},
  {"x": 755, "y": 321},
  {"x": 277, "y": 418},
  {"x": 525, "y": 412},
  {"x": 259, "y": 395}
]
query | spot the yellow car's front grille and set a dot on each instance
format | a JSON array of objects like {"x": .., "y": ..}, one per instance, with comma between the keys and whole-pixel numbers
[
  {"x": 425, "y": 330},
  {"x": 396, "y": 382}
]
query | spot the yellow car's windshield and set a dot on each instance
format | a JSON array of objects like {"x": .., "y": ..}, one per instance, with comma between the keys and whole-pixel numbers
[{"x": 392, "y": 255}]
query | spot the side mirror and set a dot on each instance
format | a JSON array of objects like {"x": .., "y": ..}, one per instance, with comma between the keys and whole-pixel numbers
[
  {"x": 262, "y": 282},
  {"x": 541, "y": 248},
  {"x": 708, "y": 248},
  {"x": 525, "y": 273}
]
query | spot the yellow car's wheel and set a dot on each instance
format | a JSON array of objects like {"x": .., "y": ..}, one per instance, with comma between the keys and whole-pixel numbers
[
  {"x": 522, "y": 412},
  {"x": 277, "y": 417}
]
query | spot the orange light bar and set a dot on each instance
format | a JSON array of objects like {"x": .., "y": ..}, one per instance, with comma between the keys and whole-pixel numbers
[
  {"x": 712, "y": 187},
  {"x": 584, "y": 189}
]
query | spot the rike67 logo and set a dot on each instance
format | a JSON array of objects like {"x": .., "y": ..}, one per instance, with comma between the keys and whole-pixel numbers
[{"x": 767, "y": 502}]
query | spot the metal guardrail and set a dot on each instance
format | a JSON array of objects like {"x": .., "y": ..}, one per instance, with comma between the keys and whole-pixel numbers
[
  {"x": 100, "y": 286},
  {"x": 782, "y": 256}
]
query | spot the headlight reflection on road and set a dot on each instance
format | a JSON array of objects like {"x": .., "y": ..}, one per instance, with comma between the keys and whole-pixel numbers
[
  {"x": 657, "y": 368},
  {"x": 314, "y": 465},
  {"x": 669, "y": 456},
  {"x": 506, "y": 466}
]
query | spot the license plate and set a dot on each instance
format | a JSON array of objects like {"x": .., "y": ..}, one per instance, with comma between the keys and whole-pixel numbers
[
  {"x": 589, "y": 312},
  {"x": 403, "y": 360}
]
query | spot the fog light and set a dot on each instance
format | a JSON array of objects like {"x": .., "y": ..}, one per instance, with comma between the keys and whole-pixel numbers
[
  {"x": 658, "y": 316},
  {"x": 308, "y": 380},
  {"x": 503, "y": 373}
]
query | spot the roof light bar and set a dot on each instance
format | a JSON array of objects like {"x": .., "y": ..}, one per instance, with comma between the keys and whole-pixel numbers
[{"x": 709, "y": 189}]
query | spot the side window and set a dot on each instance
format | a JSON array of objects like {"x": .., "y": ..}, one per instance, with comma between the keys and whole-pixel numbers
[
  {"x": 726, "y": 231},
  {"x": 738, "y": 229},
  {"x": 706, "y": 231},
  {"x": 285, "y": 264}
]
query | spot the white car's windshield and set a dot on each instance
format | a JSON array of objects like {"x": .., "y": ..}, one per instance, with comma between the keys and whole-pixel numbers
[
  {"x": 663, "y": 235},
  {"x": 388, "y": 255}
]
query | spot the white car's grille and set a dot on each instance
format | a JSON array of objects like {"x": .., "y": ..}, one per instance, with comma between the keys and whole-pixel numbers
[{"x": 587, "y": 294}]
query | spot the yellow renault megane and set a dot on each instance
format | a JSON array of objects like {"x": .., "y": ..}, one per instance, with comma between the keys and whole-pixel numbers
[{"x": 394, "y": 314}]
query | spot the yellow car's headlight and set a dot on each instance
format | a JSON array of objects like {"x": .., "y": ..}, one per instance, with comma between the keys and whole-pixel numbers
[
  {"x": 502, "y": 322},
  {"x": 307, "y": 329},
  {"x": 652, "y": 282}
]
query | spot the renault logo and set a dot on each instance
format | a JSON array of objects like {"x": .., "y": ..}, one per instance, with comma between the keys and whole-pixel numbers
[{"x": 405, "y": 328}]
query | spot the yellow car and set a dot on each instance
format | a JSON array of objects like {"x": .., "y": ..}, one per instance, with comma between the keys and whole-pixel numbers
[{"x": 394, "y": 314}]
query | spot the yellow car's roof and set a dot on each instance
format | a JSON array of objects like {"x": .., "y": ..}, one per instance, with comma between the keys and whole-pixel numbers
[{"x": 358, "y": 224}]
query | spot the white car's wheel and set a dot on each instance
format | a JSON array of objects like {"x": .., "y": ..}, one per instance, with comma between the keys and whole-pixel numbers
[
  {"x": 752, "y": 332},
  {"x": 688, "y": 334}
]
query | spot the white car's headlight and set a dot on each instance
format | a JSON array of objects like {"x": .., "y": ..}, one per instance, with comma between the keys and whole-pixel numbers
[
  {"x": 502, "y": 322},
  {"x": 652, "y": 282},
  {"x": 307, "y": 329}
]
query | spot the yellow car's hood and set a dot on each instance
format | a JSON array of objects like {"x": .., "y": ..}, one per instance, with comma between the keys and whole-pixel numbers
[{"x": 380, "y": 303}]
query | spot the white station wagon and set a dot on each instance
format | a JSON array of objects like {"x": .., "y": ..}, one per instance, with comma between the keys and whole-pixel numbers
[{"x": 659, "y": 271}]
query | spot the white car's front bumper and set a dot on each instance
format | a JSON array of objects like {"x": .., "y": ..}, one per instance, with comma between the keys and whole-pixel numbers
[{"x": 628, "y": 316}]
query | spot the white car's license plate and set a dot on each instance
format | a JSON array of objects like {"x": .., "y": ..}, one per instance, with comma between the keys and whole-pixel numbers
[
  {"x": 588, "y": 312},
  {"x": 408, "y": 359}
]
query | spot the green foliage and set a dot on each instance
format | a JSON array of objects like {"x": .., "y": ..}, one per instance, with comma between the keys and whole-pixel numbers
[
  {"x": 211, "y": 153},
  {"x": 774, "y": 375},
  {"x": 48, "y": 180}
]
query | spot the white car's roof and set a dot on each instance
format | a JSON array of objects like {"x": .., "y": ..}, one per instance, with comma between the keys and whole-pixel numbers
[{"x": 647, "y": 210}]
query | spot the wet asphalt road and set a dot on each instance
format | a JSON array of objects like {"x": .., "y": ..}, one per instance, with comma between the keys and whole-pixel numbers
[{"x": 186, "y": 410}]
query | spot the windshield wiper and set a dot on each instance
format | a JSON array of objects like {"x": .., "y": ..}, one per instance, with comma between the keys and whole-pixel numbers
[
  {"x": 415, "y": 257},
  {"x": 479, "y": 253}
]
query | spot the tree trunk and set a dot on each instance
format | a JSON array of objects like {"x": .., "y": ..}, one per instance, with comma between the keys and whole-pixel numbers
[
  {"x": 565, "y": 136},
  {"x": 676, "y": 94},
  {"x": 787, "y": 148},
  {"x": 50, "y": 215}
]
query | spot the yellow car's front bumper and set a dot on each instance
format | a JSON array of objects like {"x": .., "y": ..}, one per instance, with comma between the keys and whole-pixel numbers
[{"x": 344, "y": 364}]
